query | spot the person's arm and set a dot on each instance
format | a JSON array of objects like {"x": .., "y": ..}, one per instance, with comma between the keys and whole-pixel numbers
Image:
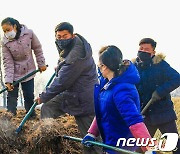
[
  {"x": 67, "y": 75},
  {"x": 93, "y": 132},
  {"x": 132, "y": 117},
  {"x": 171, "y": 81},
  {"x": 37, "y": 48},
  {"x": 93, "y": 129},
  {"x": 8, "y": 63}
]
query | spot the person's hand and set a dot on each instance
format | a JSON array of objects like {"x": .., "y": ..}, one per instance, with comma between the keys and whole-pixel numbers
[
  {"x": 42, "y": 68},
  {"x": 88, "y": 137},
  {"x": 38, "y": 100},
  {"x": 155, "y": 97},
  {"x": 9, "y": 86},
  {"x": 55, "y": 68}
]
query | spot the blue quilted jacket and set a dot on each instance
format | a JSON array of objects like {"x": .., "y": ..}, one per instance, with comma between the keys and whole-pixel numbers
[{"x": 117, "y": 106}]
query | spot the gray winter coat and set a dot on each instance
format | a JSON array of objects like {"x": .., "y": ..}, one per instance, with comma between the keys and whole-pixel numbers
[
  {"x": 75, "y": 80},
  {"x": 18, "y": 57}
]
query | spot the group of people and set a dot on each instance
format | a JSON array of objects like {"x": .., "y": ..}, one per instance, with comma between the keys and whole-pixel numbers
[{"x": 105, "y": 103}]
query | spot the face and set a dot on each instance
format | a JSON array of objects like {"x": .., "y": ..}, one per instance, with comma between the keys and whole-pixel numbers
[
  {"x": 8, "y": 28},
  {"x": 147, "y": 48},
  {"x": 103, "y": 69},
  {"x": 63, "y": 35}
]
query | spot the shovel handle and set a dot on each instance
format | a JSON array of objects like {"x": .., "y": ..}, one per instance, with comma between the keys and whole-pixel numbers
[
  {"x": 25, "y": 118},
  {"x": 23, "y": 78},
  {"x": 100, "y": 145},
  {"x": 31, "y": 110},
  {"x": 147, "y": 106}
]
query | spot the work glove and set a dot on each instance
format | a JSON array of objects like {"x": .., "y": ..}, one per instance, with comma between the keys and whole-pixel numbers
[
  {"x": 42, "y": 68},
  {"x": 88, "y": 137},
  {"x": 155, "y": 97},
  {"x": 9, "y": 86}
]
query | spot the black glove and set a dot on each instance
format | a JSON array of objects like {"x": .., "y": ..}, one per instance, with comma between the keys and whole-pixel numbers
[{"x": 155, "y": 97}]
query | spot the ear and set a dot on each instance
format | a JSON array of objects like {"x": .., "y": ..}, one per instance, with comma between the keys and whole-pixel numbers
[
  {"x": 15, "y": 27},
  {"x": 73, "y": 35},
  {"x": 153, "y": 53},
  {"x": 104, "y": 67}
]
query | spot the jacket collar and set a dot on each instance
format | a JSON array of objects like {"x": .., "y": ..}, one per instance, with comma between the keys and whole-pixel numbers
[
  {"x": 158, "y": 58},
  {"x": 129, "y": 75}
]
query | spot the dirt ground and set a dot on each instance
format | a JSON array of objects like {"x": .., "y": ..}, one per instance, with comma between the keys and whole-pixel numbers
[
  {"x": 38, "y": 137},
  {"x": 45, "y": 137}
]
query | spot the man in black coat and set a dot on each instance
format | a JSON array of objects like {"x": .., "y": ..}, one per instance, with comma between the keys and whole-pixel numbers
[
  {"x": 73, "y": 87},
  {"x": 157, "y": 80}
]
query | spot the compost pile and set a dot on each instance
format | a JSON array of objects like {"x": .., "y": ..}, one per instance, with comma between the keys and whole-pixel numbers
[
  {"x": 44, "y": 137},
  {"x": 38, "y": 136}
]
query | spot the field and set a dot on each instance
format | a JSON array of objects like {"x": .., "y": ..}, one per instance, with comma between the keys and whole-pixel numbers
[
  {"x": 45, "y": 137},
  {"x": 176, "y": 102}
]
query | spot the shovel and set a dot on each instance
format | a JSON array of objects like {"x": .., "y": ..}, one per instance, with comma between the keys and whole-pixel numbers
[
  {"x": 100, "y": 145},
  {"x": 23, "y": 78},
  {"x": 147, "y": 106},
  {"x": 31, "y": 109}
]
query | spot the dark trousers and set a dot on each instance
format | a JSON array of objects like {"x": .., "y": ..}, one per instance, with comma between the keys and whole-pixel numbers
[
  {"x": 169, "y": 127},
  {"x": 28, "y": 93},
  {"x": 52, "y": 109}
]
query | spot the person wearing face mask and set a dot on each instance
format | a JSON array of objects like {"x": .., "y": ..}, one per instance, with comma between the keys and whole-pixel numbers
[
  {"x": 17, "y": 45},
  {"x": 158, "y": 79},
  {"x": 117, "y": 104},
  {"x": 72, "y": 90}
]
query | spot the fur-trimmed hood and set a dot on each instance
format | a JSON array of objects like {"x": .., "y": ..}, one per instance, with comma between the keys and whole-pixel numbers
[{"x": 156, "y": 59}]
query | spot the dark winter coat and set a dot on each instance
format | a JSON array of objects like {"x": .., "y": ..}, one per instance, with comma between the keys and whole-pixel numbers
[
  {"x": 159, "y": 76},
  {"x": 117, "y": 106},
  {"x": 76, "y": 77}
]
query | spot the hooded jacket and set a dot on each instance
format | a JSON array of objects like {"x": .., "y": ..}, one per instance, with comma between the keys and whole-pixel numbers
[
  {"x": 18, "y": 57},
  {"x": 159, "y": 76},
  {"x": 117, "y": 106},
  {"x": 75, "y": 80}
]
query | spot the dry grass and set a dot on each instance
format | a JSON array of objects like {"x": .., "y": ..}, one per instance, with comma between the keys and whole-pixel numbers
[
  {"x": 38, "y": 137},
  {"x": 176, "y": 102}
]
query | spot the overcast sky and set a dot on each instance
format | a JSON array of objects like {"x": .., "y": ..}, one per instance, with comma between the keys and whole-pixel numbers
[{"x": 102, "y": 22}]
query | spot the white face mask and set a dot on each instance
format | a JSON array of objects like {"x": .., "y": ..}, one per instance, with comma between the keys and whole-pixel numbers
[{"x": 10, "y": 35}]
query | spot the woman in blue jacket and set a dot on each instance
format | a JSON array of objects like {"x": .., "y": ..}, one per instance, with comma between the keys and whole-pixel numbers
[{"x": 117, "y": 103}]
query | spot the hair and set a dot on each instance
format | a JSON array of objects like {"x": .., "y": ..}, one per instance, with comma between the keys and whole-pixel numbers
[
  {"x": 148, "y": 41},
  {"x": 111, "y": 56},
  {"x": 64, "y": 26},
  {"x": 12, "y": 21}
]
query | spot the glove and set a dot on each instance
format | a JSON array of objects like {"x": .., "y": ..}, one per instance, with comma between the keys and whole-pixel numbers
[
  {"x": 42, "y": 68},
  {"x": 155, "y": 97},
  {"x": 9, "y": 86},
  {"x": 88, "y": 137}
]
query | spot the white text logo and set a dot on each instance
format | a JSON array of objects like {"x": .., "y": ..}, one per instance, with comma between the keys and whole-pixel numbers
[{"x": 168, "y": 144}]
